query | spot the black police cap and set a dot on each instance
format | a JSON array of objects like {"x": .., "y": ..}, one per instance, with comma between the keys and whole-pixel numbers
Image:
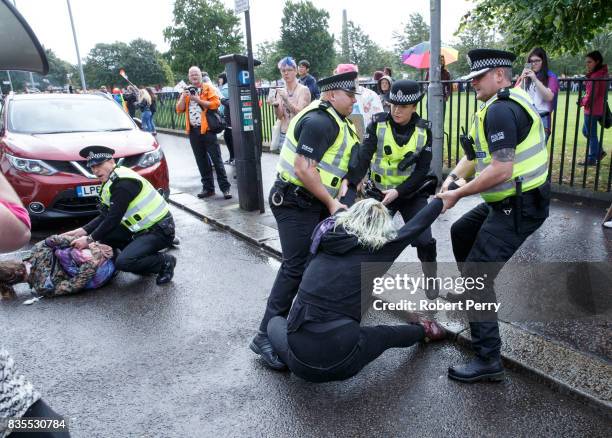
[
  {"x": 96, "y": 154},
  {"x": 343, "y": 81},
  {"x": 483, "y": 60},
  {"x": 405, "y": 92}
]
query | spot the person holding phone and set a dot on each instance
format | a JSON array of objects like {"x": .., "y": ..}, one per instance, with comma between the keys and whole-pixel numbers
[
  {"x": 290, "y": 99},
  {"x": 541, "y": 84}
]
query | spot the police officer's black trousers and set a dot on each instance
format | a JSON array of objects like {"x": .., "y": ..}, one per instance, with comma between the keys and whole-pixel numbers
[
  {"x": 362, "y": 344},
  {"x": 484, "y": 239},
  {"x": 295, "y": 227},
  {"x": 140, "y": 253},
  {"x": 425, "y": 243}
]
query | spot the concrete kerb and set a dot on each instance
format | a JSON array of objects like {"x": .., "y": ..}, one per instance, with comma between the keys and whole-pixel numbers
[{"x": 563, "y": 369}]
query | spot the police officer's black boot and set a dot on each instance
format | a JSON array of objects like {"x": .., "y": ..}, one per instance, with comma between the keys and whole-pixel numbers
[
  {"x": 478, "y": 369},
  {"x": 167, "y": 270},
  {"x": 427, "y": 255},
  {"x": 261, "y": 345}
]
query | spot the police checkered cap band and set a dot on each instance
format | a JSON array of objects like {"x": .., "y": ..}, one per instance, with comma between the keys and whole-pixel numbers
[
  {"x": 93, "y": 156},
  {"x": 404, "y": 98},
  {"x": 490, "y": 63},
  {"x": 339, "y": 85}
]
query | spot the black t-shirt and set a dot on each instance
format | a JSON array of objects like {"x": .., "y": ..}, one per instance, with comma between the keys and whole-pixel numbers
[
  {"x": 506, "y": 125},
  {"x": 315, "y": 133}
]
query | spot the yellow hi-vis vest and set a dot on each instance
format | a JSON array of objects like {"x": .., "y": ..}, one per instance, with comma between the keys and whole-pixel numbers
[
  {"x": 145, "y": 210},
  {"x": 531, "y": 156},
  {"x": 333, "y": 167},
  {"x": 383, "y": 168}
]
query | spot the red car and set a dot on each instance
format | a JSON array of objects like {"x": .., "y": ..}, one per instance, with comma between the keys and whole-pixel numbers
[{"x": 40, "y": 139}]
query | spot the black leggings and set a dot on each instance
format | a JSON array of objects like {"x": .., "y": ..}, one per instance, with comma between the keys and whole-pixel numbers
[{"x": 338, "y": 353}]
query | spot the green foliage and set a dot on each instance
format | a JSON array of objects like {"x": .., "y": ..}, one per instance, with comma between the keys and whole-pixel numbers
[
  {"x": 471, "y": 39},
  {"x": 140, "y": 60},
  {"x": 366, "y": 53},
  {"x": 304, "y": 35},
  {"x": 416, "y": 30},
  {"x": 269, "y": 55},
  {"x": 559, "y": 26},
  {"x": 203, "y": 30}
]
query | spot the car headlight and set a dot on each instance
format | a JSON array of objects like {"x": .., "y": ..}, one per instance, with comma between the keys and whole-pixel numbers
[
  {"x": 150, "y": 158},
  {"x": 31, "y": 166}
]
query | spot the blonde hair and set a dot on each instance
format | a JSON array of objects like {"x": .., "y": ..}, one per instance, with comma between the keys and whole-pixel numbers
[
  {"x": 144, "y": 95},
  {"x": 369, "y": 221}
]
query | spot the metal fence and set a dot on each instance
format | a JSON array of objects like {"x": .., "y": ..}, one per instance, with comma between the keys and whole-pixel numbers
[{"x": 567, "y": 145}]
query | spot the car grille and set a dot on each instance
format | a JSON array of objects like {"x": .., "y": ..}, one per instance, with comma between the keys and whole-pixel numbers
[
  {"x": 68, "y": 202},
  {"x": 67, "y": 167}
]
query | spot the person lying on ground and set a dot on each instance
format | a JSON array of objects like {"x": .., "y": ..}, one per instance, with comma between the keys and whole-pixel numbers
[{"x": 54, "y": 267}]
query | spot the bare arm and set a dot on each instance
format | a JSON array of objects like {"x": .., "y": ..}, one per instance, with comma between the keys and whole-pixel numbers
[
  {"x": 306, "y": 171},
  {"x": 463, "y": 169},
  {"x": 13, "y": 232},
  {"x": 180, "y": 105}
]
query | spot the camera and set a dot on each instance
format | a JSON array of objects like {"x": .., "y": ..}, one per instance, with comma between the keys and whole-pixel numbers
[
  {"x": 528, "y": 65},
  {"x": 192, "y": 90}
]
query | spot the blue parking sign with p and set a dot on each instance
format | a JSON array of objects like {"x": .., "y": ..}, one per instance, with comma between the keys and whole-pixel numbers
[{"x": 244, "y": 78}]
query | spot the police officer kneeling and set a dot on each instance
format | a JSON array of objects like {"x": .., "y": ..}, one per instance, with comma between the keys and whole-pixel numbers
[
  {"x": 397, "y": 150},
  {"x": 507, "y": 150},
  {"x": 313, "y": 165},
  {"x": 134, "y": 218}
]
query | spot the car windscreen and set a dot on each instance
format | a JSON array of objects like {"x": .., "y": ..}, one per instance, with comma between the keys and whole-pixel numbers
[{"x": 49, "y": 116}]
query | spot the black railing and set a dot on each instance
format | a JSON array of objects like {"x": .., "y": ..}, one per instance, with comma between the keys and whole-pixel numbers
[{"x": 568, "y": 148}]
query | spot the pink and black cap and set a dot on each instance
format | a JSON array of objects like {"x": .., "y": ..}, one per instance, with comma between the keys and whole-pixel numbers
[{"x": 483, "y": 60}]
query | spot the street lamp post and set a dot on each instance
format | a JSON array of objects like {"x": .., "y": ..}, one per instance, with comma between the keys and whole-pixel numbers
[{"x": 76, "y": 45}]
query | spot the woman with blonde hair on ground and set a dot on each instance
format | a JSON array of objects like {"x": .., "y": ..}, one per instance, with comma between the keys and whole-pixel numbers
[{"x": 322, "y": 339}]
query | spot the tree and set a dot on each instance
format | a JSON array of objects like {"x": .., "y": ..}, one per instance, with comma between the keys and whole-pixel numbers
[
  {"x": 364, "y": 52},
  {"x": 103, "y": 63},
  {"x": 140, "y": 60},
  {"x": 269, "y": 55},
  {"x": 471, "y": 39},
  {"x": 203, "y": 30},
  {"x": 415, "y": 31},
  {"x": 304, "y": 35},
  {"x": 58, "y": 69},
  {"x": 557, "y": 25}
]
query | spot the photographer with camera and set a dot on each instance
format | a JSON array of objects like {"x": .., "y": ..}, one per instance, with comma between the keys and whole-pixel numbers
[
  {"x": 397, "y": 150},
  {"x": 196, "y": 101}
]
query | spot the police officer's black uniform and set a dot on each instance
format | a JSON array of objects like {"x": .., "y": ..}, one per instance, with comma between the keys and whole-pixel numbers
[
  {"x": 486, "y": 237},
  {"x": 410, "y": 201},
  {"x": 316, "y": 129},
  {"x": 139, "y": 251}
]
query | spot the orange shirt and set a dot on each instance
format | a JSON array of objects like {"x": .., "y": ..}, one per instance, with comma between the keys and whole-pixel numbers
[{"x": 207, "y": 94}]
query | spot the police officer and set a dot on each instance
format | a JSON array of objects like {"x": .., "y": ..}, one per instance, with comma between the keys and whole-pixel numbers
[
  {"x": 397, "y": 150},
  {"x": 506, "y": 149},
  {"x": 134, "y": 218},
  {"x": 312, "y": 176}
]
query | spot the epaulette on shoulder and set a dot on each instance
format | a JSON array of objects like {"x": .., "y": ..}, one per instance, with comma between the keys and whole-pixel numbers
[
  {"x": 503, "y": 94},
  {"x": 113, "y": 176},
  {"x": 380, "y": 117},
  {"x": 324, "y": 105},
  {"x": 423, "y": 123}
]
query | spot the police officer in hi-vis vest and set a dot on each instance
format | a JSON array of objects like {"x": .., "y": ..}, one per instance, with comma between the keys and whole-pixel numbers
[
  {"x": 134, "y": 218},
  {"x": 312, "y": 177},
  {"x": 506, "y": 150},
  {"x": 397, "y": 150}
]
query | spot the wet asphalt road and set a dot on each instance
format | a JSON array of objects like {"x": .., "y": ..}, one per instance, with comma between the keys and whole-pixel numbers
[{"x": 136, "y": 360}]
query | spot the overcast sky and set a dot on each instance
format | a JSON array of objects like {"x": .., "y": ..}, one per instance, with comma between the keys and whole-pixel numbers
[{"x": 108, "y": 21}]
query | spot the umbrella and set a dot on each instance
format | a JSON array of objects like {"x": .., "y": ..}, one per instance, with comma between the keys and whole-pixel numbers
[
  {"x": 19, "y": 47},
  {"x": 418, "y": 56}
]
